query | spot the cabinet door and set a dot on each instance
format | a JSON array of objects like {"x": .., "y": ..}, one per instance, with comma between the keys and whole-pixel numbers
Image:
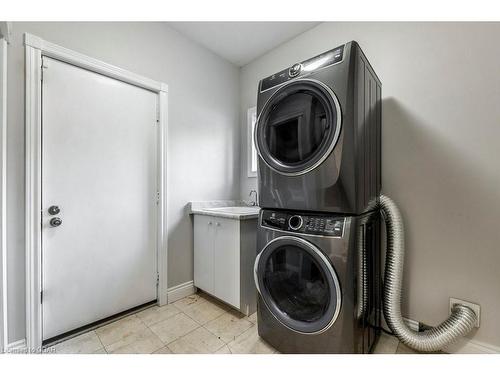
[
  {"x": 227, "y": 261},
  {"x": 204, "y": 233}
]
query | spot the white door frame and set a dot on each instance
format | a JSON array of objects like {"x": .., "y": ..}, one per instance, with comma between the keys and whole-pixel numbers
[
  {"x": 35, "y": 49},
  {"x": 3, "y": 195}
]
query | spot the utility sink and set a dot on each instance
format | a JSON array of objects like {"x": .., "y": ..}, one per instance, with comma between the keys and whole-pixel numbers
[
  {"x": 231, "y": 210},
  {"x": 238, "y": 210}
]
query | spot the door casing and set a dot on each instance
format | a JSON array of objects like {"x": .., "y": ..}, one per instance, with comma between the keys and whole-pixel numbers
[
  {"x": 35, "y": 48},
  {"x": 3, "y": 195}
]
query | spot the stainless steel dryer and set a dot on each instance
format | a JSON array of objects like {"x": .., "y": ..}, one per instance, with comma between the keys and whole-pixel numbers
[
  {"x": 318, "y": 134},
  {"x": 318, "y": 280}
]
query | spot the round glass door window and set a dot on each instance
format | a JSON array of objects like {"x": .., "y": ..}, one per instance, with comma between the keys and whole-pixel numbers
[
  {"x": 298, "y": 284},
  {"x": 298, "y": 127}
]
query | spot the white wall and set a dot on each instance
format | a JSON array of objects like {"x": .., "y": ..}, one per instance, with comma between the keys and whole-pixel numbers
[
  {"x": 203, "y": 145},
  {"x": 440, "y": 152}
]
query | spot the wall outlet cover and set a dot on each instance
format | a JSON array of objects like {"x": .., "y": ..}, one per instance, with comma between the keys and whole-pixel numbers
[{"x": 474, "y": 306}]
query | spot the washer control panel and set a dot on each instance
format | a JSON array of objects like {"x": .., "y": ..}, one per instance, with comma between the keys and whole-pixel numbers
[
  {"x": 303, "y": 68},
  {"x": 313, "y": 224}
]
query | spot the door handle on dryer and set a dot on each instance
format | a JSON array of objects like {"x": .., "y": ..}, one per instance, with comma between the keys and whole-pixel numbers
[{"x": 255, "y": 272}]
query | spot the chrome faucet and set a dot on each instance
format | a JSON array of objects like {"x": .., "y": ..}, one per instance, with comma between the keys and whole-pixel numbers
[{"x": 253, "y": 203}]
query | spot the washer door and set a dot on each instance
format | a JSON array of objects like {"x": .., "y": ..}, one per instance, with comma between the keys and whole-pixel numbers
[
  {"x": 298, "y": 285},
  {"x": 298, "y": 127}
]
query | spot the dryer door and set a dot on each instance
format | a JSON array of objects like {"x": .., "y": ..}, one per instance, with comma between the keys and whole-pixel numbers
[
  {"x": 298, "y": 285},
  {"x": 298, "y": 127}
]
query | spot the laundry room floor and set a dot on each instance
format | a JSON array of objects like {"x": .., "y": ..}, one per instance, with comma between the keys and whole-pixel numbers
[{"x": 195, "y": 324}]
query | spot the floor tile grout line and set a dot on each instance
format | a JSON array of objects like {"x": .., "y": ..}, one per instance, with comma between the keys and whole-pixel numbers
[
  {"x": 179, "y": 338},
  {"x": 209, "y": 321},
  {"x": 159, "y": 338},
  {"x": 249, "y": 328},
  {"x": 203, "y": 324},
  {"x": 171, "y": 316},
  {"x": 201, "y": 300},
  {"x": 106, "y": 350},
  {"x": 213, "y": 334},
  {"x": 114, "y": 342},
  {"x": 199, "y": 326},
  {"x": 235, "y": 337}
]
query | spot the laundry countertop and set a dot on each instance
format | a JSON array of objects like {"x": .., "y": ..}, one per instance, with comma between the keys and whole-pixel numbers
[{"x": 231, "y": 209}]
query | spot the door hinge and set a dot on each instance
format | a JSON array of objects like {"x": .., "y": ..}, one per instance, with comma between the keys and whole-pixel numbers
[
  {"x": 157, "y": 197},
  {"x": 43, "y": 67},
  {"x": 157, "y": 279},
  {"x": 41, "y": 297}
]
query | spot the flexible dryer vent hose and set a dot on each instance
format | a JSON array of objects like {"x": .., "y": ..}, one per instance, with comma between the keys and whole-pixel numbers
[{"x": 459, "y": 323}]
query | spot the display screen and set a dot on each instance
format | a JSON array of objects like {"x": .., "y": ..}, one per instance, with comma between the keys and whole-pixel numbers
[
  {"x": 327, "y": 58},
  {"x": 332, "y": 226}
]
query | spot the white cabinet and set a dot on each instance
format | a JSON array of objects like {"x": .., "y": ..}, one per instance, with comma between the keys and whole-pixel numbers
[
  {"x": 224, "y": 251},
  {"x": 227, "y": 261},
  {"x": 204, "y": 236}
]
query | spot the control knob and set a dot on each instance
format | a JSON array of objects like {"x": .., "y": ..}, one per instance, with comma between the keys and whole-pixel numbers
[
  {"x": 294, "y": 71},
  {"x": 295, "y": 222}
]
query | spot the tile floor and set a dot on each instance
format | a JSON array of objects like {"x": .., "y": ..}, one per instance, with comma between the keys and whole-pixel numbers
[{"x": 195, "y": 324}]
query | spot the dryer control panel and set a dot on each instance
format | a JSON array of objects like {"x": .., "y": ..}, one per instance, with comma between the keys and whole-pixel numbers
[
  {"x": 313, "y": 224},
  {"x": 303, "y": 68}
]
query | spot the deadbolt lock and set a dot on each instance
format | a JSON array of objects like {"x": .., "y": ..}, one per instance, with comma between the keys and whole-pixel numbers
[
  {"x": 55, "y": 222},
  {"x": 54, "y": 210}
]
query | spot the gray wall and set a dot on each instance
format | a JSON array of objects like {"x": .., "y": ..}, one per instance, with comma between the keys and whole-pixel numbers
[
  {"x": 440, "y": 153},
  {"x": 203, "y": 145}
]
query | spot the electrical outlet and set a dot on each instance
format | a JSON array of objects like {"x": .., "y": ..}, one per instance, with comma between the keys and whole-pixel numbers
[{"x": 474, "y": 306}]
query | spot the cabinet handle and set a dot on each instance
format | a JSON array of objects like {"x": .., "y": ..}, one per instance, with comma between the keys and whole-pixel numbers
[
  {"x": 218, "y": 224},
  {"x": 209, "y": 223}
]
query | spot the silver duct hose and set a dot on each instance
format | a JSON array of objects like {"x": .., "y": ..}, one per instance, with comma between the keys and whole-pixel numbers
[{"x": 459, "y": 323}]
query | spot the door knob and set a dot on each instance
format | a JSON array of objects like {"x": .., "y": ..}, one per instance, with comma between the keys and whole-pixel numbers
[
  {"x": 54, "y": 210},
  {"x": 55, "y": 222}
]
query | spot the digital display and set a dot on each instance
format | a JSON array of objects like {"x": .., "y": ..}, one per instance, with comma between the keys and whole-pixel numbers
[
  {"x": 325, "y": 59},
  {"x": 311, "y": 224},
  {"x": 274, "y": 80}
]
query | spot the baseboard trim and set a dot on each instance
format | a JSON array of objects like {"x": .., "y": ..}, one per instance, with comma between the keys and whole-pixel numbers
[
  {"x": 463, "y": 345},
  {"x": 16, "y": 347},
  {"x": 468, "y": 346},
  {"x": 180, "y": 291}
]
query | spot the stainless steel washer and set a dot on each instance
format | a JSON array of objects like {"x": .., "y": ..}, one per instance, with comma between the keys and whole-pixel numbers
[{"x": 318, "y": 282}]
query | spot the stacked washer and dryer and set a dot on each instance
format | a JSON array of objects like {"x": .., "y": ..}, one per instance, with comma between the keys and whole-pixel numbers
[{"x": 317, "y": 269}]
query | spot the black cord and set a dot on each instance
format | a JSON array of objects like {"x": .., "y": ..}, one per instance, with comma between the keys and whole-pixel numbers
[
  {"x": 382, "y": 329},
  {"x": 386, "y": 331},
  {"x": 382, "y": 305}
]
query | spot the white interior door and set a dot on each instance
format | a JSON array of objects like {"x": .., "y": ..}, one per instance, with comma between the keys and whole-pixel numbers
[{"x": 99, "y": 157}]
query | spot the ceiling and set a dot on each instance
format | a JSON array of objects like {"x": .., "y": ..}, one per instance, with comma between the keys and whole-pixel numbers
[{"x": 241, "y": 42}]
